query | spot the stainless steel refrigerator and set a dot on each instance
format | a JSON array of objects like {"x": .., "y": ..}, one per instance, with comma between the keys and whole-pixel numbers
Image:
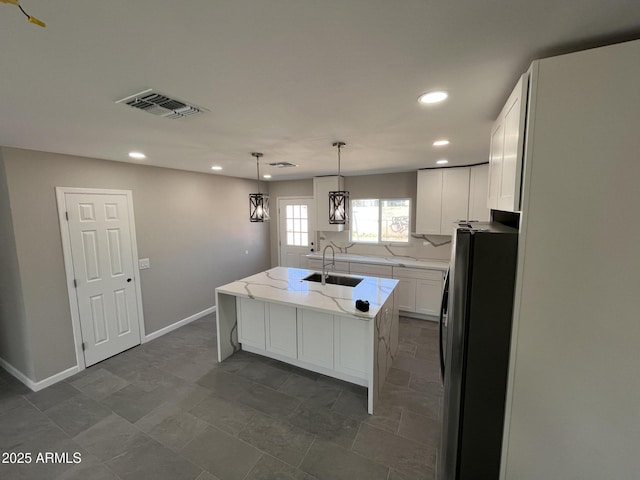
[{"x": 475, "y": 334}]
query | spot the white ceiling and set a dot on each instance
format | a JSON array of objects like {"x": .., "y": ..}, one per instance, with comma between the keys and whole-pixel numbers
[{"x": 283, "y": 77}]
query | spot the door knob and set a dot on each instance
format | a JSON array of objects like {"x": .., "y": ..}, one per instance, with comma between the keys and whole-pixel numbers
[{"x": 128, "y": 279}]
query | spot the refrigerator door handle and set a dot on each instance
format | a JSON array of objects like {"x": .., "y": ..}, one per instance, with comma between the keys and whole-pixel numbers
[{"x": 443, "y": 312}]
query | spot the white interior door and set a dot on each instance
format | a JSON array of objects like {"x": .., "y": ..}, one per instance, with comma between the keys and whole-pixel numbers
[
  {"x": 296, "y": 219},
  {"x": 102, "y": 249}
]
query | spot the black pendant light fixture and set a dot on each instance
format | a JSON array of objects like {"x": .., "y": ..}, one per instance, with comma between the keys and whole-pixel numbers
[
  {"x": 258, "y": 202},
  {"x": 339, "y": 199}
]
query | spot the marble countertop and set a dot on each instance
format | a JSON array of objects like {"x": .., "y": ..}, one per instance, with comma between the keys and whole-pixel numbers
[
  {"x": 285, "y": 286},
  {"x": 391, "y": 261}
]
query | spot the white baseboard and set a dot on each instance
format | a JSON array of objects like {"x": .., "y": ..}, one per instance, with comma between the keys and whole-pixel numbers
[
  {"x": 35, "y": 386},
  {"x": 178, "y": 324}
]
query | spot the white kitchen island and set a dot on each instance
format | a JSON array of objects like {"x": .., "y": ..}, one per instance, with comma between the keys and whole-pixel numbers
[{"x": 312, "y": 326}]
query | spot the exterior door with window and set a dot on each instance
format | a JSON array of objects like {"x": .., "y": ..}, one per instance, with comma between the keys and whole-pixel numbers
[
  {"x": 100, "y": 237},
  {"x": 295, "y": 227}
]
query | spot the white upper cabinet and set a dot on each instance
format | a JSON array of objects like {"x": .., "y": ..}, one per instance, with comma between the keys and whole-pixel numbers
[
  {"x": 478, "y": 186},
  {"x": 455, "y": 197},
  {"x": 507, "y": 149},
  {"x": 442, "y": 199},
  {"x": 321, "y": 188},
  {"x": 429, "y": 201}
]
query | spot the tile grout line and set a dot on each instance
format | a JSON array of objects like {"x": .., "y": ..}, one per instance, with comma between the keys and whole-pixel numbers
[
  {"x": 307, "y": 452},
  {"x": 356, "y": 436},
  {"x": 397, "y": 432}
]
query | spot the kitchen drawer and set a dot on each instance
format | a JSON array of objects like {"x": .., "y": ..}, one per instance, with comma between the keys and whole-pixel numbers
[
  {"x": 341, "y": 267},
  {"x": 418, "y": 273},
  {"x": 384, "y": 271}
]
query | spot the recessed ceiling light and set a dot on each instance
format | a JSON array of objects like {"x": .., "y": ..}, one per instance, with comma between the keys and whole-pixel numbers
[
  {"x": 137, "y": 155},
  {"x": 440, "y": 143},
  {"x": 216, "y": 167},
  {"x": 442, "y": 162},
  {"x": 266, "y": 176},
  {"x": 432, "y": 97}
]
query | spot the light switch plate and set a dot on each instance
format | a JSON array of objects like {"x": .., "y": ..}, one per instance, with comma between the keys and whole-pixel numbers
[{"x": 143, "y": 263}]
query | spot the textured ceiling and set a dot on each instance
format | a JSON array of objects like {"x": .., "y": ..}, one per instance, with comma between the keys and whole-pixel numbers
[{"x": 283, "y": 77}]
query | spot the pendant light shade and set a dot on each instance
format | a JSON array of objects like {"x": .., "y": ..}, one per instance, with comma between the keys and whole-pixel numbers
[
  {"x": 339, "y": 199},
  {"x": 258, "y": 202}
]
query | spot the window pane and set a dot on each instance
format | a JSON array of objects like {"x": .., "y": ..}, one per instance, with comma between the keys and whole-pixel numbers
[
  {"x": 296, "y": 211},
  {"x": 304, "y": 227},
  {"x": 304, "y": 241},
  {"x": 303, "y": 211},
  {"x": 296, "y": 225},
  {"x": 395, "y": 216},
  {"x": 364, "y": 221},
  {"x": 289, "y": 211},
  {"x": 296, "y": 238},
  {"x": 289, "y": 225}
]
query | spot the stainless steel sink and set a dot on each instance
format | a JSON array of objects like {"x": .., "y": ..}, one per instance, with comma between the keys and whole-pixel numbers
[{"x": 334, "y": 280}]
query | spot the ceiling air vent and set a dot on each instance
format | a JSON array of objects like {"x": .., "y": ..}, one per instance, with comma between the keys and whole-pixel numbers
[
  {"x": 282, "y": 164},
  {"x": 161, "y": 105}
]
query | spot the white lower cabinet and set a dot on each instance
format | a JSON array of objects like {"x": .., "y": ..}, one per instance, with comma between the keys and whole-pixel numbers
[
  {"x": 371, "y": 270},
  {"x": 315, "y": 338},
  {"x": 406, "y": 294},
  {"x": 352, "y": 342},
  {"x": 428, "y": 297},
  {"x": 334, "y": 343},
  {"x": 280, "y": 330},
  {"x": 419, "y": 290},
  {"x": 251, "y": 324}
]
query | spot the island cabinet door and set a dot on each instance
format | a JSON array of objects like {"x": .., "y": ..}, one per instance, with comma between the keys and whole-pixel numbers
[
  {"x": 315, "y": 338},
  {"x": 251, "y": 328},
  {"x": 281, "y": 330},
  {"x": 352, "y": 344}
]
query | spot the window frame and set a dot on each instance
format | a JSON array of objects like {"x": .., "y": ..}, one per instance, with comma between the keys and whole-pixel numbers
[{"x": 379, "y": 241}]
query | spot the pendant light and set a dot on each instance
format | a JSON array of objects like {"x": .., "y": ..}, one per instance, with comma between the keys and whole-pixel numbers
[
  {"x": 339, "y": 199},
  {"x": 258, "y": 202}
]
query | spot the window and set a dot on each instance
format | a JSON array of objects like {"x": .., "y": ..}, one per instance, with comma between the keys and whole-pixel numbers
[
  {"x": 380, "y": 221},
  {"x": 297, "y": 226}
]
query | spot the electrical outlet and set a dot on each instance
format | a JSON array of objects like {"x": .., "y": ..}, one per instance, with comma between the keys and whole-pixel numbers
[{"x": 143, "y": 263}]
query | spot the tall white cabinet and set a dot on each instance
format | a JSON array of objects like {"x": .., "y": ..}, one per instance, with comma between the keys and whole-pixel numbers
[
  {"x": 506, "y": 151},
  {"x": 573, "y": 396}
]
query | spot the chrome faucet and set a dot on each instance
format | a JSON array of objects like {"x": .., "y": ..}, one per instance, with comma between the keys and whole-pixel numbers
[{"x": 324, "y": 264}]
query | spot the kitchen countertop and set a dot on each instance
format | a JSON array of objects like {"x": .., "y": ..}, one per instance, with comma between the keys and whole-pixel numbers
[
  {"x": 390, "y": 261},
  {"x": 284, "y": 285}
]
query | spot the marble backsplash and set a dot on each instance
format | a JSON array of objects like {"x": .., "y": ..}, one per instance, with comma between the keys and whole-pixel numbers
[{"x": 431, "y": 247}]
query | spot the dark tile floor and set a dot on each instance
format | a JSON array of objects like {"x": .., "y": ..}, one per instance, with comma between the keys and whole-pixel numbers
[{"x": 168, "y": 410}]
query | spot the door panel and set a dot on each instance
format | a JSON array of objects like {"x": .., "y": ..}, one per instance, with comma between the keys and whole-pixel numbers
[
  {"x": 281, "y": 329},
  {"x": 251, "y": 317},
  {"x": 296, "y": 218},
  {"x": 103, "y": 265},
  {"x": 315, "y": 338}
]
